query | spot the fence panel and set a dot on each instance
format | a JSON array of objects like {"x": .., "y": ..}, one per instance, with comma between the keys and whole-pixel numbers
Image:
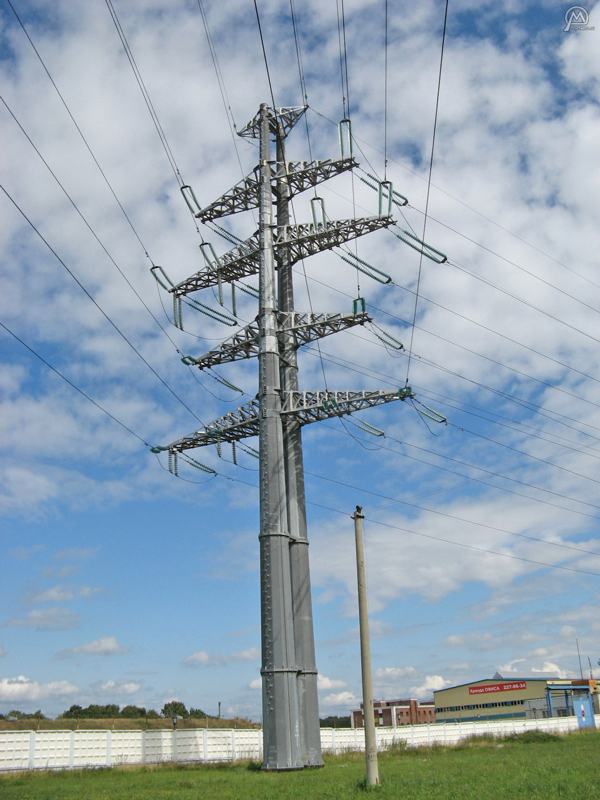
[
  {"x": 89, "y": 748},
  {"x": 14, "y": 749},
  {"x": 127, "y": 747},
  {"x": 20, "y": 750},
  {"x": 159, "y": 746}
]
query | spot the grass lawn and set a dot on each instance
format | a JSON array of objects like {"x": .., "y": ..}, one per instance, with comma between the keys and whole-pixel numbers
[{"x": 532, "y": 765}]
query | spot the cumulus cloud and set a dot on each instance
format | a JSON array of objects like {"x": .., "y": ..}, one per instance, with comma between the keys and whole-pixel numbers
[
  {"x": 204, "y": 659},
  {"x": 517, "y": 136},
  {"x": 105, "y": 646},
  {"x": 48, "y": 619},
  {"x": 510, "y": 667},
  {"x": 551, "y": 670},
  {"x": 344, "y": 700},
  {"x": 394, "y": 673},
  {"x": 325, "y": 684},
  {"x": 117, "y": 688},
  {"x": 432, "y": 683},
  {"x": 255, "y": 684},
  {"x": 22, "y": 689}
]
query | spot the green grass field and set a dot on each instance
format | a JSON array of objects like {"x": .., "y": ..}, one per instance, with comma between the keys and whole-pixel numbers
[{"x": 530, "y": 766}]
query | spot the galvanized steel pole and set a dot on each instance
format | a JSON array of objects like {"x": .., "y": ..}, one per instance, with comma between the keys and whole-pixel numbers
[
  {"x": 308, "y": 702},
  {"x": 365, "y": 653},
  {"x": 281, "y": 728}
]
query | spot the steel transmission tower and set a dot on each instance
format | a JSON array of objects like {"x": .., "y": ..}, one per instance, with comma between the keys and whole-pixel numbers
[{"x": 290, "y": 706}]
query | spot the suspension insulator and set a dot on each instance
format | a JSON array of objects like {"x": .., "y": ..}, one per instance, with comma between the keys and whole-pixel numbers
[
  {"x": 191, "y": 200},
  {"x": 345, "y": 132}
]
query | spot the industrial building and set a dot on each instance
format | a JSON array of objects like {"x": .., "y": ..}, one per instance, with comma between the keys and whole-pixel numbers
[
  {"x": 529, "y": 698},
  {"x": 392, "y": 713}
]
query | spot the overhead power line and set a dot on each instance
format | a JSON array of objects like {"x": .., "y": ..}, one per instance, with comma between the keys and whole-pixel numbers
[
  {"x": 399, "y": 501},
  {"x": 435, "y": 538},
  {"x": 100, "y": 309},
  {"x": 437, "y": 103},
  {"x": 73, "y": 386}
]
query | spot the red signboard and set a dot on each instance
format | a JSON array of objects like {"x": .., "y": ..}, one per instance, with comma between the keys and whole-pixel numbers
[{"x": 498, "y": 687}]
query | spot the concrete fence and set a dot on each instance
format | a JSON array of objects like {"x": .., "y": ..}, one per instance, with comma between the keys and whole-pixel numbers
[{"x": 23, "y": 750}]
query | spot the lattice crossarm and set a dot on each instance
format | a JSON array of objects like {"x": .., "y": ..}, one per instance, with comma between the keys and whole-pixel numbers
[
  {"x": 318, "y": 405},
  {"x": 240, "y": 262},
  {"x": 243, "y": 344},
  {"x": 231, "y": 427},
  {"x": 242, "y": 197},
  {"x": 305, "y": 240},
  {"x": 302, "y": 175},
  {"x": 308, "y": 327}
]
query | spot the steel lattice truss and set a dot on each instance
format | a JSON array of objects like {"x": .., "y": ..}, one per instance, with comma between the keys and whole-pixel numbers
[
  {"x": 305, "y": 327},
  {"x": 282, "y": 120},
  {"x": 301, "y": 241},
  {"x": 305, "y": 240},
  {"x": 306, "y": 407},
  {"x": 300, "y": 175}
]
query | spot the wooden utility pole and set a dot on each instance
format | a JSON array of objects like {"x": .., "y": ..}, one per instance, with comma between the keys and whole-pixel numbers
[{"x": 365, "y": 654}]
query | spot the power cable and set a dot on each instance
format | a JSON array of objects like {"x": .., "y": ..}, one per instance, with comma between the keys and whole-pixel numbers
[
  {"x": 385, "y": 94},
  {"x": 483, "y": 550},
  {"x": 262, "y": 42},
  {"x": 79, "y": 131},
  {"x": 398, "y": 501},
  {"x": 72, "y": 385},
  {"x": 553, "y": 415},
  {"x": 435, "y": 538},
  {"x": 437, "y": 102},
  {"x": 92, "y": 231},
  {"x": 470, "y": 478},
  {"x": 508, "y": 447},
  {"x": 357, "y": 140},
  {"x": 434, "y": 396},
  {"x": 144, "y": 91},
  {"x": 104, "y": 314}
]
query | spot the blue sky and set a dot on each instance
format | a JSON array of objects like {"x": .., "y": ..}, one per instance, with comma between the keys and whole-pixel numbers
[{"x": 121, "y": 583}]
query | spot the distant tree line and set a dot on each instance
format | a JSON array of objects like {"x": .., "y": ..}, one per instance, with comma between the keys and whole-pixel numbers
[
  {"x": 172, "y": 709},
  {"x": 335, "y": 722},
  {"x": 22, "y": 715}
]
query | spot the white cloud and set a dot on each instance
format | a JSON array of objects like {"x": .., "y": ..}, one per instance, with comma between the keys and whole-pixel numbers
[
  {"x": 105, "y": 646},
  {"x": 62, "y": 594},
  {"x": 344, "y": 700},
  {"x": 552, "y": 670},
  {"x": 48, "y": 619},
  {"x": 201, "y": 658},
  {"x": 517, "y": 141},
  {"x": 325, "y": 684},
  {"x": 510, "y": 667},
  {"x": 250, "y": 654},
  {"x": 394, "y": 673},
  {"x": 432, "y": 683},
  {"x": 472, "y": 641},
  {"x": 116, "y": 688},
  {"x": 204, "y": 659},
  {"x": 568, "y": 632},
  {"x": 256, "y": 683},
  {"x": 23, "y": 689}
]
